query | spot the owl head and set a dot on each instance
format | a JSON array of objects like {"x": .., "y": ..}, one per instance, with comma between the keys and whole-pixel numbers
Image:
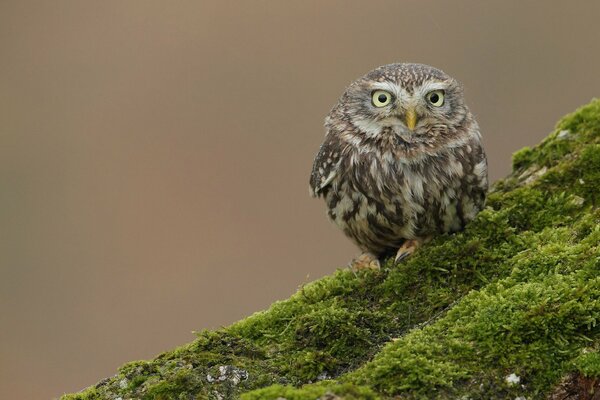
[{"x": 414, "y": 102}]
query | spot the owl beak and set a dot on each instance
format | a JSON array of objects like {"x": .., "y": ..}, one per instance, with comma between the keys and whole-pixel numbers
[{"x": 411, "y": 119}]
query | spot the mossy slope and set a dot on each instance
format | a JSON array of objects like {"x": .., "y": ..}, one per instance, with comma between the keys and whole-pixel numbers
[{"x": 504, "y": 309}]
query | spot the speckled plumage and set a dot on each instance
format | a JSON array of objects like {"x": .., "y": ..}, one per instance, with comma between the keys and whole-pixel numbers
[{"x": 384, "y": 183}]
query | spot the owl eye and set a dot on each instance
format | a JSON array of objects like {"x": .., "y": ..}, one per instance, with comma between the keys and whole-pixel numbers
[
  {"x": 436, "y": 98},
  {"x": 381, "y": 98}
]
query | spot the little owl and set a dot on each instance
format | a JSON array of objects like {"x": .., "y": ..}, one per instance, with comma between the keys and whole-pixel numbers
[{"x": 401, "y": 161}]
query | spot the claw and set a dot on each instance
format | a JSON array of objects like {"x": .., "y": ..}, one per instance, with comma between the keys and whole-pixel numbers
[
  {"x": 409, "y": 247},
  {"x": 402, "y": 254},
  {"x": 365, "y": 261}
]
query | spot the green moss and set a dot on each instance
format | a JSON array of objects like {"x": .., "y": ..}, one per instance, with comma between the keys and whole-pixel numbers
[
  {"x": 87, "y": 394},
  {"x": 346, "y": 391},
  {"x": 572, "y": 132},
  {"x": 588, "y": 364},
  {"x": 515, "y": 293},
  {"x": 164, "y": 390},
  {"x": 523, "y": 158}
]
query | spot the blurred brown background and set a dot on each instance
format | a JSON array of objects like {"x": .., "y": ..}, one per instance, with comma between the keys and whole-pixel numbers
[{"x": 154, "y": 156}]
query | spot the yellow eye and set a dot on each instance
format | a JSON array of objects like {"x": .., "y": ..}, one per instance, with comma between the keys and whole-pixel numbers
[
  {"x": 381, "y": 98},
  {"x": 436, "y": 98}
]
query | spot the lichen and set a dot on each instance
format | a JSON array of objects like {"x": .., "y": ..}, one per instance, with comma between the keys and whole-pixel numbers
[{"x": 516, "y": 293}]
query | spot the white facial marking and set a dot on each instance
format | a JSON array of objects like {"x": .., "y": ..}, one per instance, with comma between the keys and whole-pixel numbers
[{"x": 368, "y": 126}]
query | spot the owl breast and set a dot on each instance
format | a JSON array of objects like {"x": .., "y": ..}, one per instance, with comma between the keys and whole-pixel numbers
[{"x": 380, "y": 200}]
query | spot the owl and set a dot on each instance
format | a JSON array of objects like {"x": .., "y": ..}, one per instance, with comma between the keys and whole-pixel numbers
[{"x": 402, "y": 161}]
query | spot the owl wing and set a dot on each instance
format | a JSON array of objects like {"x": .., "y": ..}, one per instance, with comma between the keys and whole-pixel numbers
[
  {"x": 325, "y": 167},
  {"x": 480, "y": 170}
]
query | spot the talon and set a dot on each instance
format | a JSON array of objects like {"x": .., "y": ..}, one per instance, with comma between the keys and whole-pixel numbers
[
  {"x": 409, "y": 247},
  {"x": 365, "y": 261},
  {"x": 402, "y": 254}
]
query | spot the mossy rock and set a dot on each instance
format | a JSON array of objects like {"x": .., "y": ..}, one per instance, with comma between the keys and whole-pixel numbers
[{"x": 507, "y": 308}]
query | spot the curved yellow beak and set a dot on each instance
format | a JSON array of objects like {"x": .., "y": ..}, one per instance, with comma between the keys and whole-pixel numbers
[{"x": 411, "y": 118}]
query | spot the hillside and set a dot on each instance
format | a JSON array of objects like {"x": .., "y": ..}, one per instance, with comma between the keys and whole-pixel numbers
[{"x": 509, "y": 308}]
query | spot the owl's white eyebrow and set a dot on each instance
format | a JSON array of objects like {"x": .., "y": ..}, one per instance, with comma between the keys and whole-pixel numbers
[
  {"x": 429, "y": 86},
  {"x": 387, "y": 86}
]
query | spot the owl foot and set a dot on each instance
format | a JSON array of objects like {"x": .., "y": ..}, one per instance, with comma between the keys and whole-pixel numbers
[
  {"x": 409, "y": 247},
  {"x": 365, "y": 261}
]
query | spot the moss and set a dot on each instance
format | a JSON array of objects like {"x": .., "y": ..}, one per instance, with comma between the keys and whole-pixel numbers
[
  {"x": 515, "y": 293},
  {"x": 523, "y": 158},
  {"x": 321, "y": 390},
  {"x": 163, "y": 390},
  {"x": 572, "y": 132},
  {"x": 511, "y": 326},
  {"x": 588, "y": 364},
  {"x": 87, "y": 394}
]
